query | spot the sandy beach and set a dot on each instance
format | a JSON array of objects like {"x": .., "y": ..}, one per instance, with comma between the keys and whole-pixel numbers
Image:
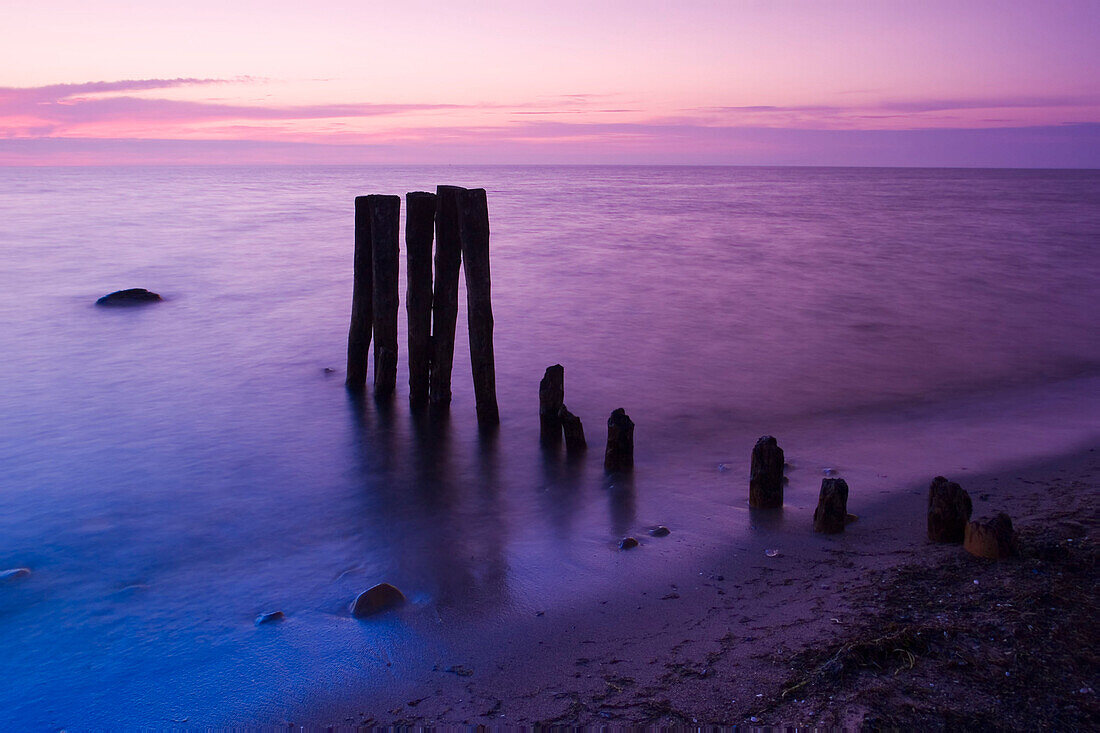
[{"x": 718, "y": 641}]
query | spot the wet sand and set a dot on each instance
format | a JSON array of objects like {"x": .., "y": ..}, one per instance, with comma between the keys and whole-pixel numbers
[{"x": 712, "y": 640}]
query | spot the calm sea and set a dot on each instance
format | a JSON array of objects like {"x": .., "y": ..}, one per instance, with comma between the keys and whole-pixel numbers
[{"x": 169, "y": 472}]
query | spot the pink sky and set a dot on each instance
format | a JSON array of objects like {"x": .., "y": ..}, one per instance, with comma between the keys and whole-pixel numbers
[{"x": 751, "y": 82}]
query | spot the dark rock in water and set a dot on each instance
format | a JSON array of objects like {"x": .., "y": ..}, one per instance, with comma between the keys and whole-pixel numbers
[
  {"x": 619, "y": 455},
  {"x": 949, "y": 509},
  {"x": 766, "y": 474},
  {"x": 574, "y": 431},
  {"x": 628, "y": 543},
  {"x": 993, "y": 539},
  {"x": 270, "y": 618},
  {"x": 551, "y": 400},
  {"x": 659, "y": 531},
  {"x": 133, "y": 296},
  {"x": 14, "y": 573},
  {"x": 832, "y": 506},
  {"x": 374, "y": 600}
]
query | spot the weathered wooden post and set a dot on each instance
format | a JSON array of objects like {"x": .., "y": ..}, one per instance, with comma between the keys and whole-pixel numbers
[
  {"x": 551, "y": 398},
  {"x": 419, "y": 233},
  {"x": 993, "y": 539},
  {"x": 832, "y": 506},
  {"x": 362, "y": 299},
  {"x": 619, "y": 456},
  {"x": 474, "y": 237},
  {"x": 766, "y": 474},
  {"x": 385, "y": 213},
  {"x": 949, "y": 509},
  {"x": 574, "y": 431},
  {"x": 448, "y": 259}
]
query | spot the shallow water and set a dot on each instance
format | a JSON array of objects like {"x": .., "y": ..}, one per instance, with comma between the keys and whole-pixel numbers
[{"x": 171, "y": 471}]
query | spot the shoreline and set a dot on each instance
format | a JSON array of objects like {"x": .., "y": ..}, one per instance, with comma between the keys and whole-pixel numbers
[{"x": 714, "y": 644}]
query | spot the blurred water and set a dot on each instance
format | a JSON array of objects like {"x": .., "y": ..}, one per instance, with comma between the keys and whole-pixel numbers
[{"x": 171, "y": 471}]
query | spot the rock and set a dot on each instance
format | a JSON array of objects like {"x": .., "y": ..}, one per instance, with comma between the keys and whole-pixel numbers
[
  {"x": 832, "y": 506},
  {"x": 132, "y": 296},
  {"x": 551, "y": 400},
  {"x": 994, "y": 538},
  {"x": 659, "y": 531},
  {"x": 381, "y": 597},
  {"x": 766, "y": 474},
  {"x": 14, "y": 573},
  {"x": 619, "y": 455},
  {"x": 949, "y": 509},
  {"x": 628, "y": 543},
  {"x": 574, "y": 431},
  {"x": 270, "y": 618}
]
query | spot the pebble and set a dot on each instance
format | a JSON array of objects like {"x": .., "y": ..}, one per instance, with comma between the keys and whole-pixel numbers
[
  {"x": 270, "y": 618},
  {"x": 14, "y": 573}
]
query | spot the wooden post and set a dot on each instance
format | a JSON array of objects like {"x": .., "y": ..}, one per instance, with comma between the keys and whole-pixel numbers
[
  {"x": 362, "y": 305},
  {"x": 574, "y": 431},
  {"x": 419, "y": 231},
  {"x": 474, "y": 236},
  {"x": 448, "y": 259},
  {"x": 832, "y": 506},
  {"x": 385, "y": 213},
  {"x": 949, "y": 509},
  {"x": 551, "y": 397},
  {"x": 619, "y": 456},
  {"x": 766, "y": 474}
]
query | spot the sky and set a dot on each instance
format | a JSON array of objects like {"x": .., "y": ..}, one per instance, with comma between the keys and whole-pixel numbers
[{"x": 737, "y": 82}]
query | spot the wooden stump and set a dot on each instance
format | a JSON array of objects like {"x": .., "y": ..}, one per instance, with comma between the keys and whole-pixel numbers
[
  {"x": 619, "y": 456},
  {"x": 385, "y": 212},
  {"x": 551, "y": 399},
  {"x": 993, "y": 539},
  {"x": 448, "y": 260},
  {"x": 832, "y": 506},
  {"x": 419, "y": 234},
  {"x": 574, "y": 431},
  {"x": 766, "y": 474},
  {"x": 474, "y": 239},
  {"x": 362, "y": 299},
  {"x": 949, "y": 509}
]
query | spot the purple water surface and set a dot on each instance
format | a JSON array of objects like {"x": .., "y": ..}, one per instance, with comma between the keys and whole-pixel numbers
[{"x": 169, "y": 472}]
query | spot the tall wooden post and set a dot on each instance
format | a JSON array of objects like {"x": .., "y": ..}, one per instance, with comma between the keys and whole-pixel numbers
[
  {"x": 385, "y": 213},
  {"x": 474, "y": 231},
  {"x": 766, "y": 474},
  {"x": 551, "y": 401},
  {"x": 619, "y": 456},
  {"x": 362, "y": 299},
  {"x": 448, "y": 259},
  {"x": 419, "y": 231}
]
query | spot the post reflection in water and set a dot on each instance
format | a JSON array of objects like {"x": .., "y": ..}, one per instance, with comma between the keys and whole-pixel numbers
[
  {"x": 559, "y": 492},
  {"x": 435, "y": 518},
  {"x": 620, "y": 496}
]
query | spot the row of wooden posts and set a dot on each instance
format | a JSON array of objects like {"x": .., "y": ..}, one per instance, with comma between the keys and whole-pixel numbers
[{"x": 457, "y": 219}]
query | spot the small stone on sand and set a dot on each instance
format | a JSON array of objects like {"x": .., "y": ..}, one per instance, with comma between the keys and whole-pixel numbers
[
  {"x": 381, "y": 597},
  {"x": 270, "y": 618}
]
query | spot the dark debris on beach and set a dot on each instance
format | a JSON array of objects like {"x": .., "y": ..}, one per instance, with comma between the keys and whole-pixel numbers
[{"x": 967, "y": 644}]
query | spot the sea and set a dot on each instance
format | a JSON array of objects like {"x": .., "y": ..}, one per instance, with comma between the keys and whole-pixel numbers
[{"x": 170, "y": 472}]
